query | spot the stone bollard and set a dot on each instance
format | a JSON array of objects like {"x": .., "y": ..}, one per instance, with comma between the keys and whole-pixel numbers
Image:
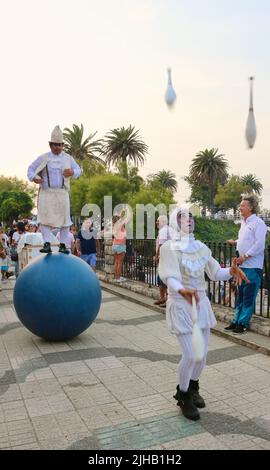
[{"x": 109, "y": 258}]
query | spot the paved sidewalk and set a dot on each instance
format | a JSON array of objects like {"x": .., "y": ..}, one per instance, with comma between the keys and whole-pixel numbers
[{"x": 111, "y": 388}]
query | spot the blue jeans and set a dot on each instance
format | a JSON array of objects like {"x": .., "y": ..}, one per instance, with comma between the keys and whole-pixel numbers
[
  {"x": 160, "y": 283},
  {"x": 246, "y": 296},
  {"x": 91, "y": 259},
  {"x": 16, "y": 265}
]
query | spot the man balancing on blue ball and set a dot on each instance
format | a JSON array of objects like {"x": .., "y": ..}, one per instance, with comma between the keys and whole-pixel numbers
[{"x": 52, "y": 171}]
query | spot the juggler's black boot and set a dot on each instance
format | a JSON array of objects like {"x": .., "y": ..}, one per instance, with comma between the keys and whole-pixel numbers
[
  {"x": 194, "y": 390},
  {"x": 46, "y": 248},
  {"x": 185, "y": 401},
  {"x": 63, "y": 249}
]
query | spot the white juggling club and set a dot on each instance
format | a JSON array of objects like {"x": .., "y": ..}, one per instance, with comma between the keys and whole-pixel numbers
[
  {"x": 170, "y": 95},
  {"x": 251, "y": 126}
]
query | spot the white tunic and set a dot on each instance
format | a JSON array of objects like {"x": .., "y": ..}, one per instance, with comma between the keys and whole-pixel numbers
[
  {"x": 183, "y": 265},
  {"x": 56, "y": 164},
  {"x": 53, "y": 199}
]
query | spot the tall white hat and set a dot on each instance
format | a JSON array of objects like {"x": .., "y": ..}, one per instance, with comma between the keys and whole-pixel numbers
[{"x": 57, "y": 136}]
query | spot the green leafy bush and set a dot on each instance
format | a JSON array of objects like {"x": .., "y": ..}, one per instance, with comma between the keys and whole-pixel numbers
[{"x": 215, "y": 230}]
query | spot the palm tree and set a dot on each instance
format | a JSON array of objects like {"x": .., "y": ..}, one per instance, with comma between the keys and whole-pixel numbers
[
  {"x": 167, "y": 179},
  {"x": 134, "y": 179},
  {"x": 123, "y": 145},
  {"x": 252, "y": 183},
  {"x": 84, "y": 151},
  {"x": 209, "y": 168}
]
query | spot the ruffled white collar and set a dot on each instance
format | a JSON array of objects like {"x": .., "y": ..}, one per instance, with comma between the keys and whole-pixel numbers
[
  {"x": 195, "y": 255},
  {"x": 187, "y": 244}
]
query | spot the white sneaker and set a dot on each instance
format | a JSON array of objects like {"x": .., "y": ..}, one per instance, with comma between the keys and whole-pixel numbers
[
  {"x": 122, "y": 279},
  {"x": 118, "y": 280}
]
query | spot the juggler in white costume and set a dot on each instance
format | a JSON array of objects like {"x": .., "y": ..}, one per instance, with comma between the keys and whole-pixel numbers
[
  {"x": 53, "y": 197},
  {"x": 184, "y": 267},
  {"x": 183, "y": 264}
]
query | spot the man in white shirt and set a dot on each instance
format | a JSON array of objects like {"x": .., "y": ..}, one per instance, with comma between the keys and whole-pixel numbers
[
  {"x": 250, "y": 247},
  {"x": 52, "y": 171}
]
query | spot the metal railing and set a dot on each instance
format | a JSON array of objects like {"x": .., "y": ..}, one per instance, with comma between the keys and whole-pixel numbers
[
  {"x": 140, "y": 265},
  {"x": 101, "y": 258}
]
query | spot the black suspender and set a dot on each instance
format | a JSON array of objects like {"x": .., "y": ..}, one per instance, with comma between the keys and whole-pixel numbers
[
  {"x": 49, "y": 184},
  {"x": 48, "y": 178}
]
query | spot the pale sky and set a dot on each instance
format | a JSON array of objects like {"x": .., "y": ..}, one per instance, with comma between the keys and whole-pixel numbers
[{"x": 104, "y": 63}]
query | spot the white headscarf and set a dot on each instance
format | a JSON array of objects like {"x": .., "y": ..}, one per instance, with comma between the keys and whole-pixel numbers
[
  {"x": 193, "y": 253},
  {"x": 183, "y": 240}
]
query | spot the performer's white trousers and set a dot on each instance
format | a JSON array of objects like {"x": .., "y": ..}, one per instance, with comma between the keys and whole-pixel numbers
[
  {"x": 46, "y": 233},
  {"x": 187, "y": 368}
]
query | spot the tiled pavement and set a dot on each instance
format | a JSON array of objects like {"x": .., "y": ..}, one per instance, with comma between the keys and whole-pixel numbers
[{"x": 111, "y": 387}]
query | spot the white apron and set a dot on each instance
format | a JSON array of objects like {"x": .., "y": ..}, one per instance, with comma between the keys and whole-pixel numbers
[{"x": 54, "y": 207}]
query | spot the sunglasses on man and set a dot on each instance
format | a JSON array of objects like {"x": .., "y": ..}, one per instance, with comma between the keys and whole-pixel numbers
[{"x": 55, "y": 144}]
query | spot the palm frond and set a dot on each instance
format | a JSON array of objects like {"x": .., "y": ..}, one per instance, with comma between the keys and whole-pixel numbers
[
  {"x": 82, "y": 149},
  {"x": 124, "y": 144}
]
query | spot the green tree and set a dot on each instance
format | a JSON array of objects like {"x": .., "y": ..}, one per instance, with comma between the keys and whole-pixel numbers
[
  {"x": 133, "y": 177},
  {"x": 199, "y": 193},
  {"x": 209, "y": 168},
  {"x": 108, "y": 185},
  {"x": 165, "y": 178},
  {"x": 154, "y": 196},
  {"x": 124, "y": 145},
  {"x": 85, "y": 151},
  {"x": 252, "y": 183},
  {"x": 14, "y": 205},
  {"x": 210, "y": 230},
  {"x": 151, "y": 196},
  {"x": 12, "y": 183},
  {"x": 78, "y": 194},
  {"x": 91, "y": 168},
  {"x": 229, "y": 195}
]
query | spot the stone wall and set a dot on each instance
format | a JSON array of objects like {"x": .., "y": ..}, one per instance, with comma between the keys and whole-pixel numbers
[{"x": 109, "y": 259}]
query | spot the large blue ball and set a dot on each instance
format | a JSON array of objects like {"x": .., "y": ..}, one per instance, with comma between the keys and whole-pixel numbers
[{"x": 57, "y": 296}]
